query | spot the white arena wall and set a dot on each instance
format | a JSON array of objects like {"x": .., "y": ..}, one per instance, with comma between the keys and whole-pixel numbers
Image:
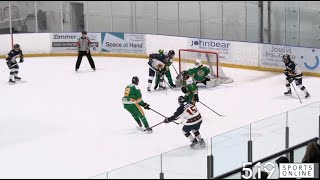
[{"x": 266, "y": 57}]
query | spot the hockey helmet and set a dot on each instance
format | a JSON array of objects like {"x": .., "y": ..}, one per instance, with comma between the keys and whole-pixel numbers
[
  {"x": 171, "y": 54},
  {"x": 185, "y": 75},
  {"x": 135, "y": 80},
  {"x": 181, "y": 100},
  {"x": 16, "y": 47},
  {"x": 198, "y": 63},
  {"x": 286, "y": 58},
  {"x": 84, "y": 32}
]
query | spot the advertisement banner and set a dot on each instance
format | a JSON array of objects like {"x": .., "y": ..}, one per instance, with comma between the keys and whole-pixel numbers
[
  {"x": 123, "y": 43},
  {"x": 306, "y": 58},
  {"x": 67, "y": 42},
  {"x": 218, "y": 46},
  {"x": 231, "y": 52}
]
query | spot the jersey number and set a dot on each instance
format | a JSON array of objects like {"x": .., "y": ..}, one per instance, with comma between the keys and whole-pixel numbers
[
  {"x": 192, "y": 110},
  {"x": 126, "y": 92}
]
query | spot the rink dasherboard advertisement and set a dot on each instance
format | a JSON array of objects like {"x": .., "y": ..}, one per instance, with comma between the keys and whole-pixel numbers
[
  {"x": 123, "y": 43},
  {"x": 67, "y": 42},
  {"x": 306, "y": 58},
  {"x": 229, "y": 51}
]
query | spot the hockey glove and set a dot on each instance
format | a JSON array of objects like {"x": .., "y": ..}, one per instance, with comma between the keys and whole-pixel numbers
[
  {"x": 196, "y": 97},
  {"x": 21, "y": 60},
  {"x": 167, "y": 120},
  {"x": 9, "y": 64},
  {"x": 184, "y": 90},
  {"x": 290, "y": 79},
  {"x": 146, "y": 106},
  {"x": 286, "y": 72}
]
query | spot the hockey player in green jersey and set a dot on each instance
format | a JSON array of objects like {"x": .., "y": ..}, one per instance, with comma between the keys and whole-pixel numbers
[
  {"x": 200, "y": 73},
  {"x": 132, "y": 101},
  {"x": 189, "y": 88}
]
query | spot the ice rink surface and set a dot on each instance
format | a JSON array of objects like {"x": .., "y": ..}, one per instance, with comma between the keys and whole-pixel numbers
[{"x": 58, "y": 123}]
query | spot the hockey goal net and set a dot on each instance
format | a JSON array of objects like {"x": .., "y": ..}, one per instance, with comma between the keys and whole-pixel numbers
[{"x": 187, "y": 58}]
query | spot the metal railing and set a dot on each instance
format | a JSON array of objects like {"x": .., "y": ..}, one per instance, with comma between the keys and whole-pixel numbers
[{"x": 289, "y": 151}]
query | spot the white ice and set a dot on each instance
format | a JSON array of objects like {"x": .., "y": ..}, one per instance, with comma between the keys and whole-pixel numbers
[{"x": 58, "y": 123}]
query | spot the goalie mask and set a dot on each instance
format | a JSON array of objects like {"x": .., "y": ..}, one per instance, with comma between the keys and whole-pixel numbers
[{"x": 198, "y": 63}]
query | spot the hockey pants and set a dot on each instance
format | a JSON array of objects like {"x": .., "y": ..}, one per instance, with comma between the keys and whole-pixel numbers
[
  {"x": 137, "y": 113},
  {"x": 298, "y": 81},
  {"x": 186, "y": 129},
  {"x": 14, "y": 69},
  {"x": 84, "y": 53},
  {"x": 168, "y": 75}
]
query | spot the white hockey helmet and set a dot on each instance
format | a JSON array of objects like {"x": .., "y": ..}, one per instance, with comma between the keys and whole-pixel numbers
[{"x": 198, "y": 63}]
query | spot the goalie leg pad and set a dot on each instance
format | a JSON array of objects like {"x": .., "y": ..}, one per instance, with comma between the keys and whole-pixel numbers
[{"x": 213, "y": 83}]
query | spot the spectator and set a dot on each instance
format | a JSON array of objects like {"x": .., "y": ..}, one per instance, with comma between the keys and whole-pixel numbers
[
  {"x": 282, "y": 160},
  {"x": 312, "y": 154},
  {"x": 264, "y": 175}
]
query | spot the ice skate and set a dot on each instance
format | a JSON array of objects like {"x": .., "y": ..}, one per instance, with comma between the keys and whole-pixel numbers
[
  {"x": 140, "y": 128},
  {"x": 17, "y": 78},
  {"x": 288, "y": 93},
  {"x": 307, "y": 95},
  {"x": 202, "y": 143},
  {"x": 12, "y": 81},
  {"x": 194, "y": 143},
  {"x": 149, "y": 130}
]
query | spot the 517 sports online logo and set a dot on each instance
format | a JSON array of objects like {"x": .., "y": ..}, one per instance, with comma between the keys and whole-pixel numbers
[{"x": 285, "y": 170}]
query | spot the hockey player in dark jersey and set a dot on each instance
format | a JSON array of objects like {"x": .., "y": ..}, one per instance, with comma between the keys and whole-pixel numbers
[
  {"x": 191, "y": 119},
  {"x": 13, "y": 64},
  {"x": 293, "y": 72},
  {"x": 158, "y": 63}
]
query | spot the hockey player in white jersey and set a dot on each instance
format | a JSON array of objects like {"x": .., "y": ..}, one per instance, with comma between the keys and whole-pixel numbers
[
  {"x": 293, "y": 72},
  {"x": 190, "y": 117},
  {"x": 156, "y": 65}
]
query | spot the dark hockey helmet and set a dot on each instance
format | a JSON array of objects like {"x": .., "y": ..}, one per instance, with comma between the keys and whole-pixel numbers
[
  {"x": 16, "y": 47},
  {"x": 84, "y": 32},
  {"x": 135, "y": 80},
  {"x": 181, "y": 100},
  {"x": 286, "y": 58},
  {"x": 185, "y": 75},
  {"x": 171, "y": 54}
]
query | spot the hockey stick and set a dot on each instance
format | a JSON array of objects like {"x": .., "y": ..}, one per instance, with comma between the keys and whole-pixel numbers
[
  {"x": 154, "y": 126},
  {"x": 211, "y": 109},
  {"x": 167, "y": 83},
  {"x": 175, "y": 70},
  {"x": 161, "y": 114},
  {"x": 296, "y": 92},
  {"x": 165, "y": 86}
]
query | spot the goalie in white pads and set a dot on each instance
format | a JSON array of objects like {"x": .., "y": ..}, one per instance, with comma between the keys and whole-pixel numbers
[
  {"x": 191, "y": 119},
  {"x": 293, "y": 73}
]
